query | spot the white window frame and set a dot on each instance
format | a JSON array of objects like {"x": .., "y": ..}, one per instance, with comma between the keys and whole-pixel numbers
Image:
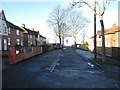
[
  {"x": 17, "y": 32},
  {"x": 18, "y": 41},
  {"x": 21, "y": 42},
  {"x": 5, "y": 30},
  {"x": 9, "y": 41}
]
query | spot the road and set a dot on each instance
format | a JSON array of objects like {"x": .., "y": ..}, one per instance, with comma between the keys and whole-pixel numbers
[{"x": 61, "y": 68}]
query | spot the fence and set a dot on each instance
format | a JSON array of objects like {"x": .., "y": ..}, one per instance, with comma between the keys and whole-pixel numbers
[
  {"x": 116, "y": 52},
  {"x": 113, "y": 52}
]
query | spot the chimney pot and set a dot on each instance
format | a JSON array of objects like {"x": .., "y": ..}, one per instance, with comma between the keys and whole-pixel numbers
[{"x": 23, "y": 25}]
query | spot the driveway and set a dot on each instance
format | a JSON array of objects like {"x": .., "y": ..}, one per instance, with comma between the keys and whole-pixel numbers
[{"x": 62, "y": 68}]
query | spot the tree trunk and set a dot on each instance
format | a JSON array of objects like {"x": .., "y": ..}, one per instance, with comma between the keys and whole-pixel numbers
[
  {"x": 60, "y": 40},
  {"x": 103, "y": 41},
  {"x": 75, "y": 44},
  {"x": 95, "y": 46}
]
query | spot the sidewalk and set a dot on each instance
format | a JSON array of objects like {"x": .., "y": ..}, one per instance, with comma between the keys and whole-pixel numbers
[
  {"x": 4, "y": 62},
  {"x": 89, "y": 56}
]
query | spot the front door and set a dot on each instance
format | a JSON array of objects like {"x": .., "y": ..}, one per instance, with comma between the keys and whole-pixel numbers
[{"x": 5, "y": 44}]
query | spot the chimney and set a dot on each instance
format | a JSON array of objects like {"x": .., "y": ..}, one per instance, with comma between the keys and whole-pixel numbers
[
  {"x": 114, "y": 25},
  {"x": 32, "y": 29},
  {"x": 23, "y": 25}
]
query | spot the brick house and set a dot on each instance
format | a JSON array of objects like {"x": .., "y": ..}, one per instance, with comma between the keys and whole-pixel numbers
[
  {"x": 112, "y": 37},
  {"x": 15, "y": 35},
  {"x": 41, "y": 40},
  {"x": 3, "y": 32},
  {"x": 29, "y": 36}
]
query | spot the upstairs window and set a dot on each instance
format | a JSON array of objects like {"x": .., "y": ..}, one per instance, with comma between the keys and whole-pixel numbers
[
  {"x": 5, "y": 30},
  {"x": 30, "y": 36},
  {"x": 17, "y": 32}
]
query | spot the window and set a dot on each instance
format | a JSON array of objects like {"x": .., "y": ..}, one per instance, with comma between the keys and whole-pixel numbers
[
  {"x": 0, "y": 29},
  {"x": 21, "y": 34},
  {"x": 18, "y": 41},
  {"x": 8, "y": 41},
  {"x": 21, "y": 42},
  {"x": 17, "y": 32},
  {"x": 30, "y": 36},
  {"x": 9, "y": 30},
  {"x": 5, "y": 30}
]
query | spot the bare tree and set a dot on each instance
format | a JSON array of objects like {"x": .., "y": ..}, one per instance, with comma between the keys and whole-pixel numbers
[
  {"x": 76, "y": 22},
  {"x": 83, "y": 34},
  {"x": 100, "y": 7},
  {"x": 57, "y": 20}
]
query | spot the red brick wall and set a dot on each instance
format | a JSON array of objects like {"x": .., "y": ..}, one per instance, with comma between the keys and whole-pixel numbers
[
  {"x": 13, "y": 37},
  {"x": 25, "y": 39}
]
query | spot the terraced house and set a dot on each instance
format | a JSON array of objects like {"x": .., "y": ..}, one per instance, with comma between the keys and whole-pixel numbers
[
  {"x": 29, "y": 36},
  {"x": 12, "y": 35},
  {"x": 15, "y": 35}
]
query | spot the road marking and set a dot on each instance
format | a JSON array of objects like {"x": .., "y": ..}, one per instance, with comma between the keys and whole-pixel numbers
[
  {"x": 55, "y": 63},
  {"x": 116, "y": 85}
]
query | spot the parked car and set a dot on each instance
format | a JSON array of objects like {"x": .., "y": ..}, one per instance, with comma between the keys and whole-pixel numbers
[{"x": 59, "y": 46}]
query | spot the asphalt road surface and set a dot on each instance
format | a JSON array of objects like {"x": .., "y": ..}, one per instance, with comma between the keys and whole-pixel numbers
[{"x": 62, "y": 68}]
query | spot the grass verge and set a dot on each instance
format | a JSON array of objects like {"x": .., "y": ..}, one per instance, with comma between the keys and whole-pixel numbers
[{"x": 107, "y": 62}]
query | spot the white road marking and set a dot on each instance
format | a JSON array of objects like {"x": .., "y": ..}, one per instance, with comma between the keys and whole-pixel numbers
[{"x": 55, "y": 63}]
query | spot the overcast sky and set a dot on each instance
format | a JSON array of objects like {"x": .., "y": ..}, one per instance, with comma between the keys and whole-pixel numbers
[{"x": 34, "y": 14}]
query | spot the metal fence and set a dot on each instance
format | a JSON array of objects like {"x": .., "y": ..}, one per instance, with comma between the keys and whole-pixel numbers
[{"x": 116, "y": 52}]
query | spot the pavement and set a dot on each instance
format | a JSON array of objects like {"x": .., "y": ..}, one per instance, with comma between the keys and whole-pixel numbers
[
  {"x": 109, "y": 70},
  {"x": 90, "y": 56},
  {"x": 61, "y": 68},
  {"x": 5, "y": 62}
]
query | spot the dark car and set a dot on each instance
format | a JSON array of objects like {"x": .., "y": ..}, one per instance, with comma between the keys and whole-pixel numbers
[{"x": 59, "y": 46}]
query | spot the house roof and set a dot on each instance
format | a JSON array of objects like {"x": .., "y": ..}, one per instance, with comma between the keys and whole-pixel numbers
[
  {"x": 3, "y": 18},
  {"x": 1, "y": 11},
  {"x": 28, "y": 31},
  {"x": 13, "y": 26},
  {"x": 42, "y": 36},
  {"x": 112, "y": 30}
]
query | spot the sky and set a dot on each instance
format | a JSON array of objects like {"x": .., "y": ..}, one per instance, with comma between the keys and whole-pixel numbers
[{"x": 35, "y": 14}]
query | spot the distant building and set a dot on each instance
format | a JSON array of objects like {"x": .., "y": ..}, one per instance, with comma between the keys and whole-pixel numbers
[{"x": 68, "y": 41}]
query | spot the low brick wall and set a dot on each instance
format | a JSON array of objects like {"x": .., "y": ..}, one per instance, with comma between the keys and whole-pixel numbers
[
  {"x": 27, "y": 52},
  {"x": 34, "y": 51},
  {"x": 5, "y": 53}
]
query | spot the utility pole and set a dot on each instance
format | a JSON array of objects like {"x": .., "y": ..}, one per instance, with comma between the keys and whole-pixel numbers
[{"x": 95, "y": 49}]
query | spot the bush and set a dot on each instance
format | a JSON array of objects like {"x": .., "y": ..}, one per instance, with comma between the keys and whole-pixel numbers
[{"x": 86, "y": 44}]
